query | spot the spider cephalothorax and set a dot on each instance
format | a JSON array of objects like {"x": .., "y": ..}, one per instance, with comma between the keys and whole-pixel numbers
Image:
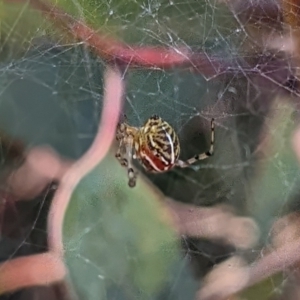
[{"x": 155, "y": 145}]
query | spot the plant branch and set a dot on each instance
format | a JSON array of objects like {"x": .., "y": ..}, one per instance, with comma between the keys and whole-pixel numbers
[
  {"x": 33, "y": 270},
  {"x": 270, "y": 264},
  {"x": 109, "y": 48},
  {"x": 214, "y": 223},
  {"x": 117, "y": 52},
  {"x": 112, "y": 103}
]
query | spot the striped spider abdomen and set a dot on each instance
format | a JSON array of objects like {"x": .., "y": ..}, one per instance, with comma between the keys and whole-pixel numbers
[{"x": 157, "y": 146}]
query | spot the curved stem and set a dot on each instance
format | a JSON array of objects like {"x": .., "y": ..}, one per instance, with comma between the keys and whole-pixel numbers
[
  {"x": 33, "y": 270},
  {"x": 112, "y": 102}
]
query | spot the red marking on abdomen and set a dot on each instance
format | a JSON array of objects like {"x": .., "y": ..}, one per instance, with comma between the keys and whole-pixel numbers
[{"x": 152, "y": 162}]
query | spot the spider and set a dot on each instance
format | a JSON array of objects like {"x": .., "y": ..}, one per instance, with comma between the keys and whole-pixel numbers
[{"x": 155, "y": 145}]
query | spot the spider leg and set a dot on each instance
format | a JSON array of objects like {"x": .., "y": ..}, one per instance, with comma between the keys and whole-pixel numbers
[
  {"x": 210, "y": 152},
  {"x": 132, "y": 174},
  {"x": 121, "y": 128},
  {"x": 120, "y": 153},
  {"x": 120, "y": 131}
]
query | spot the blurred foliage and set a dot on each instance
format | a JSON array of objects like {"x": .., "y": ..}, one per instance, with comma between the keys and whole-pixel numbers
[
  {"x": 278, "y": 176},
  {"x": 51, "y": 93},
  {"x": 67, "y": 111},
  {"x": 118, "y": 238},
  {"x": 38, "y": 105},
  {"x": 20, "y": 25},
  {"x": 264, "y": 290},
  {"x": 132, "y": 18}
]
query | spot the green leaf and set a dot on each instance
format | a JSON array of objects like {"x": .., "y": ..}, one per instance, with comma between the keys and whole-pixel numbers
[
  {"x": 117, "y": 237},
  {"x": 263, "y": 290},
  {"x": 278, "y": 175},
  {"x": 19, "y": 26}
]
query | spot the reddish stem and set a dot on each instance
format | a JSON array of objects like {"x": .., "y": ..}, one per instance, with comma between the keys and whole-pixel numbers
[
  {"x": 112, "y": 103},
  {"x": 33, "y": 270},
  {"x": 133, "y": 56}
]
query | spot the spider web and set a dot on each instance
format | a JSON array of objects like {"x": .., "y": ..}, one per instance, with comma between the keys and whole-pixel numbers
[{"x": 51, "y": 93}]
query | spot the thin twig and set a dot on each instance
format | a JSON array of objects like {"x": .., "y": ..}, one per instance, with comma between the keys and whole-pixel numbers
[
  {"x": 214, "y": 223},
  {"x": 115, "y": 51},
  {"x": 112, "y": 49},
  {"x": 32, "y": 270},
  {"x": 112, "y": 103},
  {"x": 270, "y": 264}
]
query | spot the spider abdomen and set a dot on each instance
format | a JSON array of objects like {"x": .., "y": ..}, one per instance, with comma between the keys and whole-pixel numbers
[{"x": 158, "y": 146}]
